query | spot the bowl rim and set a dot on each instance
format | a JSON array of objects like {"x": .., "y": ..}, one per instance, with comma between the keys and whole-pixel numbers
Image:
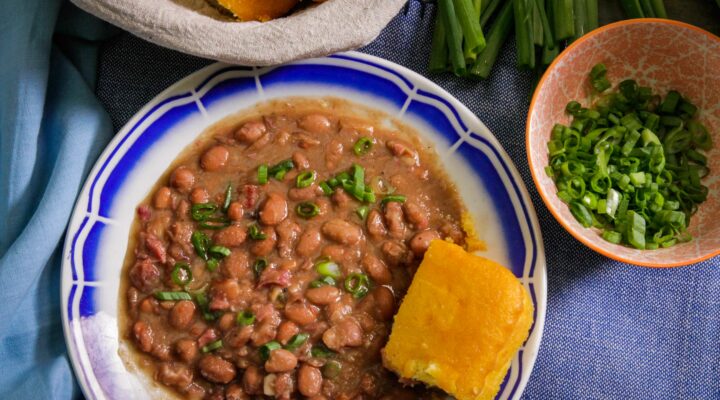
[{"x": 534, "y": 171}]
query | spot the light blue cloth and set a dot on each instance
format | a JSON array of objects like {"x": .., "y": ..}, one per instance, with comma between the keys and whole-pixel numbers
[{"x": 52, "y": 128}]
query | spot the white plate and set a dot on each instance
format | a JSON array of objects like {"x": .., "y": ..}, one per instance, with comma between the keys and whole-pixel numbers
[{"x": 98, "y": 233}]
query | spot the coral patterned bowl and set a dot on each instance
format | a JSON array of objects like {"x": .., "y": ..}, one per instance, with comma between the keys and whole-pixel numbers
[{"x": 664, "y": 55}]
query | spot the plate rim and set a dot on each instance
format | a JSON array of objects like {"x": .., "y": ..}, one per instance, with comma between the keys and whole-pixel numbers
[{"x": 186, "y": 84}]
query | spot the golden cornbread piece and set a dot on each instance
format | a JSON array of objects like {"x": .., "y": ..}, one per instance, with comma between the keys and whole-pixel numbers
[
  {"x": 258, "y": 10},
  {"x": 460, "y": 324}
]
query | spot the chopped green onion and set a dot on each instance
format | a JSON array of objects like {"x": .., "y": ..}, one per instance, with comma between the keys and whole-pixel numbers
[
  {"x": 200, "y": 242},
  {"x": 629, "y": 167},
  {"x": 307, "y": 209},
  {"x": 305, "y": 179},
  {"x": 262, "y": 174},
  {"x": 172, "y": 296},
  {"x": 268, "y": 348},
  {"x": 328, "y": 268},
  {"x": 362, "y": 211},
  {"x": 219, "y": 251},
  {"x": 228, "y": 197},
  {"x": 636, "y": 230},
  {"x": 212, "y": 264},
  {"x": 212, "y": 346},
  {"x": 363, "y": 146},
  {"x": 327, "y": 190},
  {"x": 256, "y": 233},
  {"x": 319, "y": 350},
  {"x": 398, "y": 198},
  {"x": 259, "y": 266},
  {"x": 245, "y": 318},
  {"x": 612, "y": 236},
  {"x": 324, "y": 281},
  {"x": 598, "y": 79},
  {"x": 203, "y": 304},
  {"x": 296, "y": 341},
  {"x": 581, "y": 213},
  {"x": 181, "y": 274},
  {"x": 358, "y": 285},
  {"x": 279, "y": 170},
  {"x": 331, "y": 369}
]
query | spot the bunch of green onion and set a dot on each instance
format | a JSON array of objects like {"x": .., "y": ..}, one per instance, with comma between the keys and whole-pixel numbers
[
  {"x": 644, "y": 8},
  {"x": 465, "y": 43},
  {"x": 632, "y": 164}
]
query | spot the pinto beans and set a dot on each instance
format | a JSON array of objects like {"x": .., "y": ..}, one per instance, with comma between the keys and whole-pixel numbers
[
  {"x": 186, "y": 349},
  {"x": 284, "y": 386},
  {"x": 347, "y": 332},
  {"x": 301, "y": 313},
  {"x": 236, "y": 265},
  {"x": 216, "y": 369},
  {"x": 238, "y": 336},
  {"x": 375, "y": 225},
  {"x": 384, "y": 302},
  {"x": 235, "y": 392},
  {"x": 300, "y": 160},
  {"x": 421, "y": 241},
  {"x": 377, "y": 270},
  {"x": 395, "y": 252},
  {"x": 144, "y": 336},
  {"x": 182, "y": 179},
  {"x": 288, "y": 232},
  {"x": 333, "y": 153},
  {"x": 162, "y": 198},
  {"x": 304, "y": 194},
  {"x": 286, "y": 331},
  {"x": 309, "y": 242},
  {"x": 323, "y": 295},
  {"x": 315, "y": 123},
  {"x": 250, "y": 131},
  {"x": 274, "y": 210},
  {"x": 342, "y": 231},
  {"x": 252, "y": 380},
  {"x": 341, "y": 198},
  {"x": 199, "y": 196},
  {"x": 309, "y": 380},
  {"x": 144, "y": 275},
  {"x": 232, "y": 236},
  {"x": 264, "y": 247},
  {"x": 181, "y": 315},
  {"x": 281, "y": 360},
  {"x": 394, "y": 218},
  {"x": 417, "y": 215},
  {"x": 235, "y": 211}
]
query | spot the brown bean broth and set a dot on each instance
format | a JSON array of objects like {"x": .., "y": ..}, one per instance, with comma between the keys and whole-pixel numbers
[{"x": 362, "y": 374}]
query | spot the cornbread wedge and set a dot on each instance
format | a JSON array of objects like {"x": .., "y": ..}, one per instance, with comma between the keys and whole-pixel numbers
[{"x": 461, "y": 322}]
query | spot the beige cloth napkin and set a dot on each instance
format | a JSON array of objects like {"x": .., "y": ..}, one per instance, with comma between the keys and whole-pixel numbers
[{"x": 193, "y": 27}]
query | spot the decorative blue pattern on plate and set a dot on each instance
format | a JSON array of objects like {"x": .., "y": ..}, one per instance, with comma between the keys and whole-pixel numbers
[{"x": 99, "y": 229}]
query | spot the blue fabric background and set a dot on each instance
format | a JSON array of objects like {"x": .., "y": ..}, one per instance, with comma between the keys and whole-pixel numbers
[{"x": 612, "y": 331}]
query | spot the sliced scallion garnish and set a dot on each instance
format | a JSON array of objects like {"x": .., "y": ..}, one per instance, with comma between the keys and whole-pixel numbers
[{"x": 172, "y": 296}]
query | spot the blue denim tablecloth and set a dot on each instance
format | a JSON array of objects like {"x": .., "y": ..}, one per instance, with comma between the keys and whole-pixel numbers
[{"x": 612, "y": 331}]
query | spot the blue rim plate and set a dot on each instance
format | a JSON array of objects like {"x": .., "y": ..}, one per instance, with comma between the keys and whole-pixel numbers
[{"x": 98, "y": 232}]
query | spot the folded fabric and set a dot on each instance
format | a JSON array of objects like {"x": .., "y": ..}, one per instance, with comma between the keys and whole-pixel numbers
[{"x": 52, "y": 129}]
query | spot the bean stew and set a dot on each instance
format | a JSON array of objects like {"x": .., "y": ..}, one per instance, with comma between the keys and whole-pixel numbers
[{"x": 270, "y": 259}]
